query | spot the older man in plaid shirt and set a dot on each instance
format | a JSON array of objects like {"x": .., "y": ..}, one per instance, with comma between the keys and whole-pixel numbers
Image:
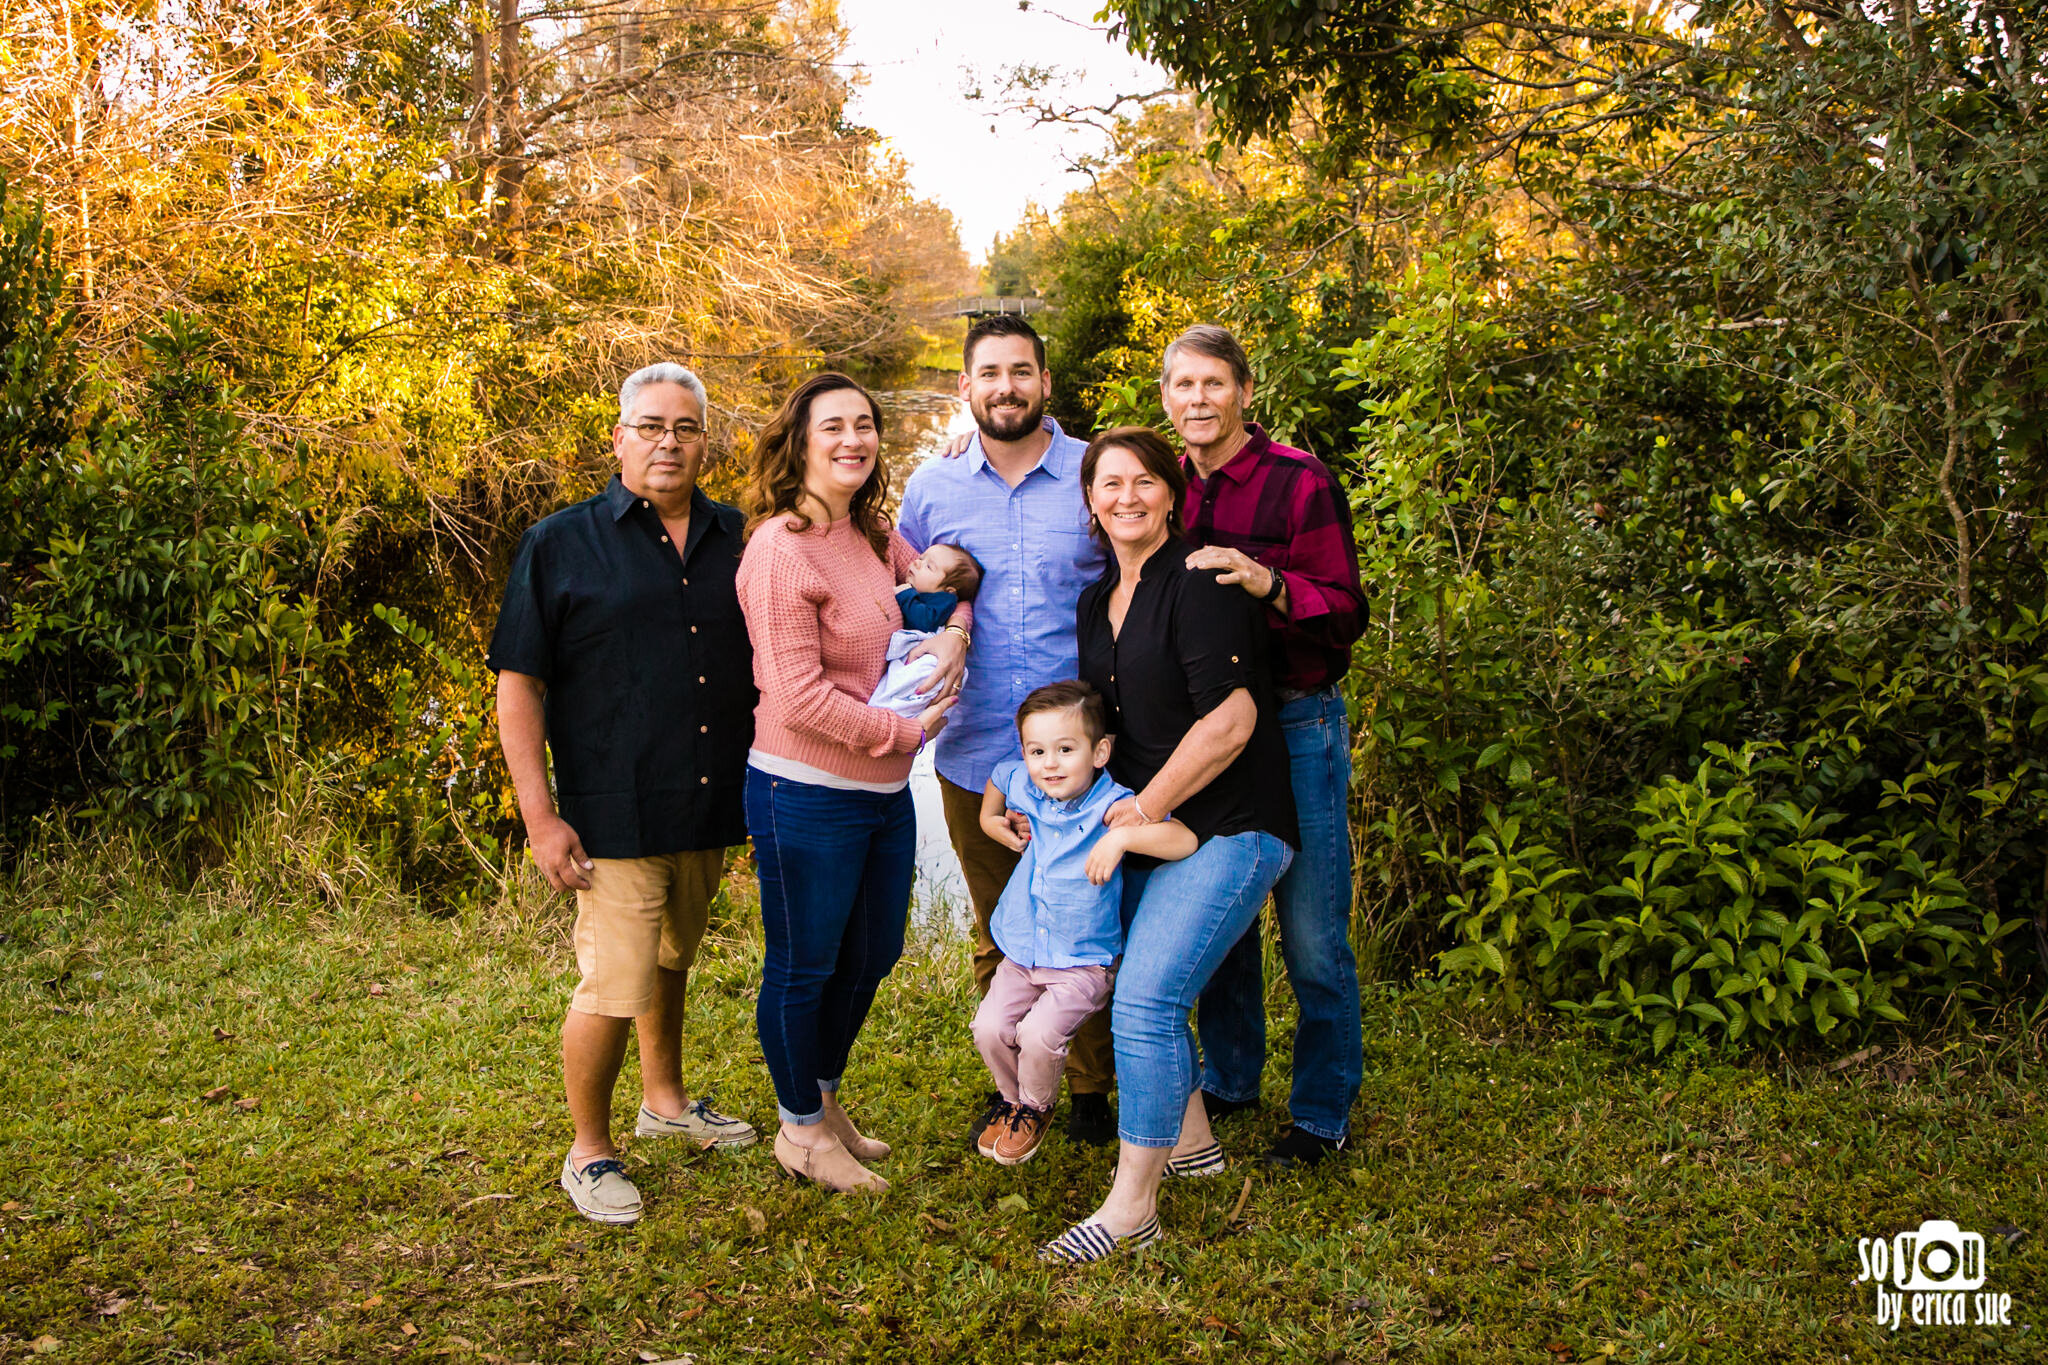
[{"x": 1277, "y": 523}]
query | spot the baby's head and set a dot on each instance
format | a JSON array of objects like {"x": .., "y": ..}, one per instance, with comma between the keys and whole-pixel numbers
[
  {"x": 947, "y": 568},
  {"x": 1064, "y": 729}
]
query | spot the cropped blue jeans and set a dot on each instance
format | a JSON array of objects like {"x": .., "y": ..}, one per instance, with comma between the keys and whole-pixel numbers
[
  {"x": 1180, "y": 920},
  {"x": 1312, "y": 909},
  {"x": 835, "y": 870}
]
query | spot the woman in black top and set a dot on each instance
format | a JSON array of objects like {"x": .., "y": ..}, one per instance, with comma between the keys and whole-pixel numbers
[{"x": 1181, "y": 660}]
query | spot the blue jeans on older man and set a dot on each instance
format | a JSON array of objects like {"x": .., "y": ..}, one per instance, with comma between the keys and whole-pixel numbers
[
  {"x": 1180, "y": 920},
  {"x": 835, "y": 872},
  {"x": 1312, "y": 907}
]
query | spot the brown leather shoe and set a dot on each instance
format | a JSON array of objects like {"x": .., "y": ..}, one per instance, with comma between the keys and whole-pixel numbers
[
  {"x": 1017, "y": 1141},
  {"x": 833, "y": 1167}
]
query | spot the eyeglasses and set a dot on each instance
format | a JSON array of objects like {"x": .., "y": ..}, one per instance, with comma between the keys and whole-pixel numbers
[{"x": 652, "y": 432}]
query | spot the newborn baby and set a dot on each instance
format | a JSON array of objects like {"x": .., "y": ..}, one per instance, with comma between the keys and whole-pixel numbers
[{"x": 943, "y": 577}]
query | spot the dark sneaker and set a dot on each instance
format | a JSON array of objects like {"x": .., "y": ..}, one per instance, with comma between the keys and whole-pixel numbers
[
  {"x": 1298, "y": 1148},
  {"x": 1017, "y": 1140},
  {"x": 979, "y": 1136},
  {"x": 1220, "y": 1108},
  {"x": 1090, "y": 1119}
]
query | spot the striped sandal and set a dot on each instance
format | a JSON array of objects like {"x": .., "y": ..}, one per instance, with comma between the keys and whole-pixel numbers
[
  {"x": 1089, "y": 1241},
  {"x": 1204, "y": 1161}
]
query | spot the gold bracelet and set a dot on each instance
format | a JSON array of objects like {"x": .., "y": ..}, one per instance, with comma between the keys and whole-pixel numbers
[{"x": 960, "y": 631}]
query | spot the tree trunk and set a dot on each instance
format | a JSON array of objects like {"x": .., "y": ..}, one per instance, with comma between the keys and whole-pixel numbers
[{"x": 510, "y": 168}]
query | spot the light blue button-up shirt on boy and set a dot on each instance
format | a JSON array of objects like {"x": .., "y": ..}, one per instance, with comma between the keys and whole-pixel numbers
[
  {"x": 1050, "y": 915},
  {"x": 1036, "y": 555}
]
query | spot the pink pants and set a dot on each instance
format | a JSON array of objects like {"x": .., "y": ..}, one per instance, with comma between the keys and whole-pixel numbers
[{"x": 1027, "y": 1019}]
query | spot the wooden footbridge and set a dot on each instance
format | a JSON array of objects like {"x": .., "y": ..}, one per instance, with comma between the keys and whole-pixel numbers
[{"x": 988, "y": 305}]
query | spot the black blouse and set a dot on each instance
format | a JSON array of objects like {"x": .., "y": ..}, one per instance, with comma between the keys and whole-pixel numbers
[{"x": 1187, "y": 643}]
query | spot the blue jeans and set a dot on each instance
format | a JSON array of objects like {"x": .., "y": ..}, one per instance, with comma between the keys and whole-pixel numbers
[
  {"x": 1180, "y": 919},
  {"x": 834, "y": 868},
  {"x": 1312, "y": 905}
]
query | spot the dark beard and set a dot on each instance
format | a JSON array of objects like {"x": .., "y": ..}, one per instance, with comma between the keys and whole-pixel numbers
[{"x": 1020, "y": 426}]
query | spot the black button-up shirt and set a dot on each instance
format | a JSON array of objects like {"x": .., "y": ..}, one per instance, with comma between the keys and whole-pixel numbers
[
  {"x": 650, "y": 677},
  {"x": 1187, "y": 643}
]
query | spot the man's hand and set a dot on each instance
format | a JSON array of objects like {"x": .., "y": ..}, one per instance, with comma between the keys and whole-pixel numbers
[
  {"x": 1240, "y": 568},
  {"x": 1104, "y": 857},
  {"x": 559, "y": 853},
  {"x": 950, "y": 650},
  {"x": 956, "y": 445}
]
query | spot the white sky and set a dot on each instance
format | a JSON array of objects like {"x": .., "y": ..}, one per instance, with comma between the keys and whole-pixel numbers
[{"x": 921, "y": 58}]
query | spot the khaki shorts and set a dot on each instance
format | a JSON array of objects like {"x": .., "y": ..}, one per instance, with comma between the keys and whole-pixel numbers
[{"x": 640, "y": 914}]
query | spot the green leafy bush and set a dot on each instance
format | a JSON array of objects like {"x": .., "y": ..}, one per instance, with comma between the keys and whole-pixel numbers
[{"x": 161, "y": 641}]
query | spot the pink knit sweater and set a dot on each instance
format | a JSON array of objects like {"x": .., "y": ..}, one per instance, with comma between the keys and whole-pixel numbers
[{"x": 820, "y": 609}]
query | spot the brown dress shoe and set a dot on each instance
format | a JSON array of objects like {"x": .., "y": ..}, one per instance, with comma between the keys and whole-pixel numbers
[
  {"x": 1017, "y": 1141},
  {"x": 833, "y": 1167}
]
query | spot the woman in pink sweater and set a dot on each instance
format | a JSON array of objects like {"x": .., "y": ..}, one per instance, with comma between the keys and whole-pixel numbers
[{"x": 827, "y": 799}]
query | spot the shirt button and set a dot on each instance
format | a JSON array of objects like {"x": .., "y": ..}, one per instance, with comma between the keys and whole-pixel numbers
[
  {"x": 643, "y": 502},
  {"x": 700, "y": 677},
  {"x": 703, "y": 729},
  {"x": 693, "y": 631},
  {"x": 703, "y": 781},
  {"x": 1233, "y": 658},
  {"x": 686, "y": 582},
  {"x": 664, "y": 540}
]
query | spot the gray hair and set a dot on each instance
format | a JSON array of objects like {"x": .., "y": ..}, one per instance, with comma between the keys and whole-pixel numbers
[
  {"x": 1208, "y": 339},
  {"x": 666, "y": 372}
]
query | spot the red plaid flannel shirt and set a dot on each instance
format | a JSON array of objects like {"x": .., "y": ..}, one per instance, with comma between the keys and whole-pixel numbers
[{"x": 1283, "y": 508}]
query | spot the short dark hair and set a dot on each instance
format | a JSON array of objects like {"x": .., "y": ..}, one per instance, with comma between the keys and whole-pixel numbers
[
  {"x": 1206, "y": 338},
  {"x": 1070, "y": 695},
  {"x": 963, "y": 580},
  {"x": 1001, "y": 325},
  {"x": 1153, "y": 452}
]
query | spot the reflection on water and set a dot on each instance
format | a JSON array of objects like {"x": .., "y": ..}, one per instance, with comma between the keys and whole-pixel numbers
[{"x": 917, "y": 423}]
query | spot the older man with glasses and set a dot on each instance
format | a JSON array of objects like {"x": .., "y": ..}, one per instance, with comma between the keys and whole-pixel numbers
[{"x": 621, "y": 651}]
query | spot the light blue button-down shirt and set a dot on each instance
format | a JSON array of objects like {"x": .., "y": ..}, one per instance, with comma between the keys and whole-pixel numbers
[
  {"x": 1050, "y": 916},
  {"x": 1036, "y": 555}
]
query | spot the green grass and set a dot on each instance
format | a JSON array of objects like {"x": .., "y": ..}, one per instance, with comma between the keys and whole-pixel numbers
[{"x": 1513, "y": 1193}]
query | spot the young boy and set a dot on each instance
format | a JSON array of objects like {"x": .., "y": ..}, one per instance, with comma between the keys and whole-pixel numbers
[
  {"x": 942, "y": 578},
  {"x": 1058, "y": 922}
]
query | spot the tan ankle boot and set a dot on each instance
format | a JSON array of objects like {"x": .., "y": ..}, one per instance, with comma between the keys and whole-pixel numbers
[{"x": 833, "y": 1167}]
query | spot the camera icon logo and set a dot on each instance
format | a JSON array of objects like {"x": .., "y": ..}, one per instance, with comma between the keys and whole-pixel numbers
[{"x": 1938, "y": 1256}]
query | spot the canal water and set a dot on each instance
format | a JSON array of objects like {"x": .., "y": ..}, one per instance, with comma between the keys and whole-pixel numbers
[{"x": 916, "y": 424}]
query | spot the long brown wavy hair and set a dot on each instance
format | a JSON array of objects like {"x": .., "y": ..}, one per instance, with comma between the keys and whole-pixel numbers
[{"x": 775, "y": 484}]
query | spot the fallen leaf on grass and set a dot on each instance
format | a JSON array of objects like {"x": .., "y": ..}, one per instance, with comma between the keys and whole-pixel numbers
[
  {"x": 113, "y": 1306},
  {"x": 373, "y": 1300},
  {"x": 1243, "y": 1196},
  {"x": 481, "y": 1199},
  {"x": 652, "y": 1359},
  {"x": 1014, "y": 1203},
  {"x": 1216, "y": 1324},
  {"x": 1861, "y": 1055},
  {"x": 247, "y": 1103},
  {"x": 221, "y": 1035},
  {"x": 42, "y": 1346},
  {"x": 756, "y": 1219},
  {"x": 408, "y": 1329},
  {"x": 530, "y": 1279},
  {"x": 376, "y": 989},
  {"x": 217, "y": 1094},
  {"x": 1596, "y": 1191},
  {"x": 10, "y": 1207}
]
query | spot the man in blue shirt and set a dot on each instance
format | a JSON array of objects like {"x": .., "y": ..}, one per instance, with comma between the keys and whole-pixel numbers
[{"x": 1014, "y": 502}]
